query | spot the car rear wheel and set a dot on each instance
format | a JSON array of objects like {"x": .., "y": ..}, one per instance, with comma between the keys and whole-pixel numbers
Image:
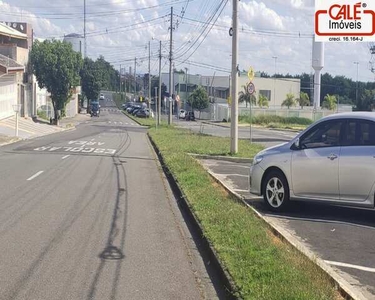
[{"x": 276, "y": 191}]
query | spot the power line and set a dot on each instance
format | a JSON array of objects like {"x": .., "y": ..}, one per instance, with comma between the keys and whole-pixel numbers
[
  {"x": 224, "y": 2},
  {"x": 70, "y": 16}
]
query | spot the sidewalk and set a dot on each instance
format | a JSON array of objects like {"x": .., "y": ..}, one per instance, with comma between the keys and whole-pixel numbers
[
  {"x": 75, "y": 121},
  {"x": 28, "y": 129}
]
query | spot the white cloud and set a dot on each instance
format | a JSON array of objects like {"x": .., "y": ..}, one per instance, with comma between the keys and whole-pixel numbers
[{"x": 276, "y": 26}]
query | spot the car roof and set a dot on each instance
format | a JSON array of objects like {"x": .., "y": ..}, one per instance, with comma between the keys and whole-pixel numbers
[{"x": 352, "y": 115}]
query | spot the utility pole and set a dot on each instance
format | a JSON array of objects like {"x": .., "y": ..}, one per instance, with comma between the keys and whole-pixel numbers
[
  {"x": 234, "y": 115},
  {"x": 120, "y": 79},
  {"x": 187, "y": 91},
  {"x": 356, "y": 89},
  {"x": 156, "y": 108},
  {"x": 149, "y": 75},
  {"x": 84, "y": 28},
  {"x": 159, "y": 96},
  {"x": 170, "y": 71},
  {"x": 135, "y": 78}
]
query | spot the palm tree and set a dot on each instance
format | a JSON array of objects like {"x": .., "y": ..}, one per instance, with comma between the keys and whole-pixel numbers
[
  {"x": 330, "y": 102},
  {"x": 244, "y": 96},
  {"x": 263, "y": 101},
  {"x": 289, "y": 101},
  {"x": 303, "y": 100}
]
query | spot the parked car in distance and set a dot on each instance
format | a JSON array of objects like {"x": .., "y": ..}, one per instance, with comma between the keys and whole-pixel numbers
[
  {"x": 135, "y": 111},
  {"x": 101, "y": 97},
  {"x": 132, "y": 108},
  {"x": 127, "y": 105},
  {"x": 182, "y": 114},
  {"x": 332, "y": 161},
  {"x": 190, "y": 116}
]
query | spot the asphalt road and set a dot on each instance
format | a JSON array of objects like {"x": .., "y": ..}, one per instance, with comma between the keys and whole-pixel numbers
[
  {"x": 343, "y": 237},
  {"x": 87, "y": 214},
  {"x": 266, "y": 137}
]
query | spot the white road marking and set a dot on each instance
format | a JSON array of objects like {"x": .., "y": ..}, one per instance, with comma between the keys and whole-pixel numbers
[
  {"x": 339, "y": 264},
  {"x": 319, "y": 221},
  {"x": 34, "y": 176},
  {"x": 66, "y": 156}
]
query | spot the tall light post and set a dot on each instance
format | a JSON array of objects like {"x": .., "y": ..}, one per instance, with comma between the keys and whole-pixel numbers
[
  {"x": 234, "y": 110},
  {"x": 356, "y": 89},
  {"x": 274, "y": 81}
]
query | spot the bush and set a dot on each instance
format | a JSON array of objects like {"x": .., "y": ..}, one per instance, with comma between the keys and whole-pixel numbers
[
  {"x": 272, "y": 119},
  {"x": 42, "y": 114}
]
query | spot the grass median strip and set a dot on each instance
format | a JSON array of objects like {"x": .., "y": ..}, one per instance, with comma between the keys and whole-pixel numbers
[{"x": 262, "y": 266}]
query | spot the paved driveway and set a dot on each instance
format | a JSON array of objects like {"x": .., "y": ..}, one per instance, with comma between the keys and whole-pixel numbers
[{"x": 343, "y": 237}]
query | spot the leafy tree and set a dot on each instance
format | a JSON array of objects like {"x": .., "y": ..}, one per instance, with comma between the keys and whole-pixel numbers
[
  {"x": 244, "y": 96},
  {"x": 304, "y": 100},
  {"x": 289, "y": 101},
  {"x": 90, "y": 77},
  {"x": 330, "y": 102},
  {"x": 367, "y": 100},
  {"x": 263, "y": 101},
  {"x": 56, "y": 67},
  {"x": 198, "y": 99}
]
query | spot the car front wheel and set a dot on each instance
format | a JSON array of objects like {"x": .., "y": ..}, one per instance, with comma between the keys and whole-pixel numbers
[{"x": 276, "y": 191}]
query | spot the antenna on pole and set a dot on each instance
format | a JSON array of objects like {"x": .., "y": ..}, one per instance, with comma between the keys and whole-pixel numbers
[{"x": 84, "y": 29}]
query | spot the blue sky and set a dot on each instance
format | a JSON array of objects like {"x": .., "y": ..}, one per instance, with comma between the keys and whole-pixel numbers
[{"x": 268, "y": 28}]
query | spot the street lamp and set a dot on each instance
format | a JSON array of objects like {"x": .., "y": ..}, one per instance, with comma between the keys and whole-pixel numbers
[
  {"x": 274, "y": 82},
  {"x": 17, "y": 109},
  {"x": 356, "y": 89}
]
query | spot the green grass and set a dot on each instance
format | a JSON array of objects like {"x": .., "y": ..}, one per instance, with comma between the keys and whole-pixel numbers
[
  {"x": 277, "y": 122},
  {"x": 42, "y": 114},
  {"x": 262, "y": 266},
  {"x": 190, "y": 142},
  {"x": 143, "y": 121}
]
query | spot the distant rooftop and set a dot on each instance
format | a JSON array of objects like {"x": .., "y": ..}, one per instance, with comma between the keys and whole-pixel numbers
[
  {"x": 9, "y": 31},
  {"x": 9, "y": 65}
]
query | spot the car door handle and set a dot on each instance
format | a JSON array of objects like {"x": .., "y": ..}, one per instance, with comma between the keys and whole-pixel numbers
[{"x": 332, "y": 157}]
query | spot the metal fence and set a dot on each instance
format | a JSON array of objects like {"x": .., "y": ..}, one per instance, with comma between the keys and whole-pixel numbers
[{"x": 220, "y": 112}]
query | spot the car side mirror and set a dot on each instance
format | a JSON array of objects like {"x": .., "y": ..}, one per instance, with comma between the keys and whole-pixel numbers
[{"x": 296, "y": 145}]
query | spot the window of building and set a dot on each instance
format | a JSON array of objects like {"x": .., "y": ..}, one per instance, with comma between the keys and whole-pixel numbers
[{"x": 266, "y": 93}]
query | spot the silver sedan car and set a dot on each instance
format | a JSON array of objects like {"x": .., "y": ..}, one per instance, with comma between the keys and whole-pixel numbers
[{"x": 332, "y": 161}]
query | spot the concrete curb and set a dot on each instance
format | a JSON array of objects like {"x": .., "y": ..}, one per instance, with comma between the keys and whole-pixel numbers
[
  {"x": 136, "y": 121},
  {"x": 224, "y": 275},
  {"x": 275, "y": 129},
  {"x": 12, "y": 141},
  {"x": 342, "y": 285},
  {"x": 38, "y": 136},
  {"x": 223, "y": 158}
]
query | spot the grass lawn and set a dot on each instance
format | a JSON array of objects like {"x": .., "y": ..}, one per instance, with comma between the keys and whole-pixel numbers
[
  {"x": 143, "y": 121},
  {"x": 262, "y": 266},
  {"x": 277, "y": 122}
]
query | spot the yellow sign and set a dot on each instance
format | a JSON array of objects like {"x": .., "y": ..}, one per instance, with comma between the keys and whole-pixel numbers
[
  {"x": 251, "y": 74},
  {"x": 229, "y": 100}
]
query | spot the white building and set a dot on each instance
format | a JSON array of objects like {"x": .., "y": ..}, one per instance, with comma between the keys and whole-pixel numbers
[
  {"x": 76, "y": 40},
  {"x": 218, "y": 87}
]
